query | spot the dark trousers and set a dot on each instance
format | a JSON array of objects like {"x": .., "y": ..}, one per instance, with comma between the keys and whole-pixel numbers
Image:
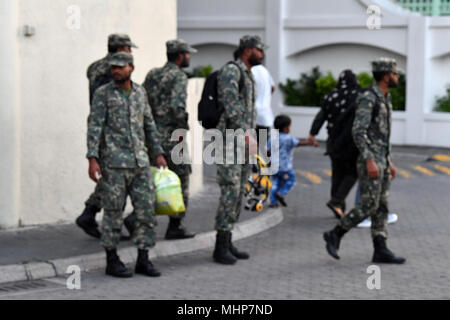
[
  {"x": 344, "y": 177},
  {"x": 258, "y": 127}
]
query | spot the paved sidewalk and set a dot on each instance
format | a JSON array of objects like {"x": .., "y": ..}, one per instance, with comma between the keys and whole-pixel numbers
[
  {"x": 48, "y": 242},
  {"x": 289, "y": 261},
  {"x": 44, "y": 251}
]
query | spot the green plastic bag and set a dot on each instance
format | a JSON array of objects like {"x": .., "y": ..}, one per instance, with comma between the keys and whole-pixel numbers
[{"x": 169, "y": 196}]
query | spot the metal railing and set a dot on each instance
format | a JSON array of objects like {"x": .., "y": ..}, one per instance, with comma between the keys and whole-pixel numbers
[{"x": 427, "y": 7}]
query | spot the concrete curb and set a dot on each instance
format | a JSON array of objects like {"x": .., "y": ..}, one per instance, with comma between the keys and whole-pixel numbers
[{"x": 53, "y": 268}]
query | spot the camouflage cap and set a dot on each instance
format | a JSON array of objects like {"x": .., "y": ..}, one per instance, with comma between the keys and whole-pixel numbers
[
  {"x": 119, "y": 40},
  {"x": 252, "y": 42},
  {"x": 386, "y": 65},
  {"x": 121, "y": 59},
  {"x": 179, "y": 45}
]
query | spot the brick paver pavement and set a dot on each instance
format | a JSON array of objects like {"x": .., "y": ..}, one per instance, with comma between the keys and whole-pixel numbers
[{"x": 290, "y": 261}]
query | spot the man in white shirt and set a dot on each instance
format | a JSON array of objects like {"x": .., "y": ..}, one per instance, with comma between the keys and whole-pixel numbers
[{"x": 265, "y": 86}]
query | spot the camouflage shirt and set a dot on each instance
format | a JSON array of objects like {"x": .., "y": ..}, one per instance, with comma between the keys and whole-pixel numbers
[
  {"x": 98, "y": 73},
  {"x": 239, "y": 106},
  {"x": 167, "y": 91},
  {"x": 121, "y": 129},
  {"x": 371, "y": 135}
]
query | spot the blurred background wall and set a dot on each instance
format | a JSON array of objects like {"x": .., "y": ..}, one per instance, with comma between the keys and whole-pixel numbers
[
  {"x": 47, "y": 46},
  {"x": 334, "y": 35}
]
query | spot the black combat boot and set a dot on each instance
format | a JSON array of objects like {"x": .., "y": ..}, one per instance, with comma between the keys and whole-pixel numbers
[
  {"x": 333, "y": 240},
  {"x": 115, "y": 267},
  {"x": 382, "y": 254},
  {"x": 176, "y": 231},
  {"x": 130, "y": 223},
  {"x": 87, "y": 221},
  {"x": 144, "y": 265},
  {"x": 235, "y": 252},
  {"x": 222, "y": 250}
]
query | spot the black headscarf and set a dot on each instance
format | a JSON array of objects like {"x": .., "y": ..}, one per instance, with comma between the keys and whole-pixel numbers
[
  {"x": 338, "y": 107},
  {"x": 343, "y": 96}
]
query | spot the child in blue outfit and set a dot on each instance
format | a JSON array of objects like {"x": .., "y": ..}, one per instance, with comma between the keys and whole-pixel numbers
[{"x": 284, "y": 180}]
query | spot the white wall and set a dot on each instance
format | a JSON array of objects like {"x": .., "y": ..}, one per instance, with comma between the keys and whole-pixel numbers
[
  {"x": 333, "y": 57},
  {"x": 334, "y": 35},
  {"x": 224, "y": 22},
  {"x": 304, "y": 116},
  {"x": 195, "y": 135},
  {"x": 305, "y": 8},
  {"x": 235, "y": 9},
  {"x": 45, "y": 147},
  {"x": 9, "y": 116},
  {"x": 215, "y": 55}
]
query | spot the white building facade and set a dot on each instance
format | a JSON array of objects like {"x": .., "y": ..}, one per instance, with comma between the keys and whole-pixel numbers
[
  {"x": 47, "y": 46},
  {"x": 334, "y": 35}
]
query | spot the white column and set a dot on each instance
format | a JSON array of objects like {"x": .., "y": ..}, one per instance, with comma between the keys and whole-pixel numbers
[
  {"x": 274, "y": 38},
  {"x": 417, "y": 80},
  {"x": 195, "y": 136},
  {"x": 9, "y": 116}
]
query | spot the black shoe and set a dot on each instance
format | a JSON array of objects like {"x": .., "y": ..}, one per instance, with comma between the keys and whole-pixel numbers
[
  {"x": 175, "y": 231},
  {"x": 115, "y": 267},
  {"x": 86, "y": 221},
  {"x": 145, "y": 266},
  {"x": 281, "y": 199},
  {"x": 275, "y": 205},
  {"x": 333, "y": 240},
  {"x": 382, "y": 254},
  {"x": 222, "y": 250},
  {"x": 130, "y": 223},
  {"x": 235, "y": 252}
]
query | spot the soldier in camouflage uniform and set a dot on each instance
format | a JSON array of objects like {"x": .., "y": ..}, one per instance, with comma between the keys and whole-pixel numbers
[
  {"x": 239, "y": 114},
  {"x": 99, "y": 73},
  {"x": 167, "y": 91},
  {"x": 371, "y": 133},
  {"x": 121, "y": 133}
]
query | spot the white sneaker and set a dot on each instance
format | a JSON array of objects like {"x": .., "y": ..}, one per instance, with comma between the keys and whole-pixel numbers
[
  {"x": 392, "y": 218},
  {"x": 365, "y": 224}
]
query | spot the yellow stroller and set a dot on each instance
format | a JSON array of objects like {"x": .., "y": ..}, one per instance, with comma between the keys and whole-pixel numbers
[{"x": 257, "y": 189}]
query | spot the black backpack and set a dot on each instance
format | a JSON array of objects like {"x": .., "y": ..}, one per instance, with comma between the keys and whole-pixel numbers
[{"x": 209, "y": 110}]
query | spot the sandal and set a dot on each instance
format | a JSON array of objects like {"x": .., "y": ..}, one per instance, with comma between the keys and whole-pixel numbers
[{"x": 336, "y": 213}]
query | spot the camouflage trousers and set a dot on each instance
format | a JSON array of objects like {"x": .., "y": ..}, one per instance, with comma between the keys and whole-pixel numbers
[
  {"x": 374, "y": 201},
  {"x": 116, "y": 185},
  {"x": 95, "y": 199},
  {"x": 232, "y": 179}
]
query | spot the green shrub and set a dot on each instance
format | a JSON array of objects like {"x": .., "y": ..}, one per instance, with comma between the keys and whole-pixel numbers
[
  {"x": 310, "y": 89},
  {"x": 200, "y": 72},
  {"x": 443, "y": 103},
  {"x": 302, "y": 92},
  {"x": 399, "y": 95},
  {"x": 325, "y": 85},
  {"x": 364, "y": 79}
]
